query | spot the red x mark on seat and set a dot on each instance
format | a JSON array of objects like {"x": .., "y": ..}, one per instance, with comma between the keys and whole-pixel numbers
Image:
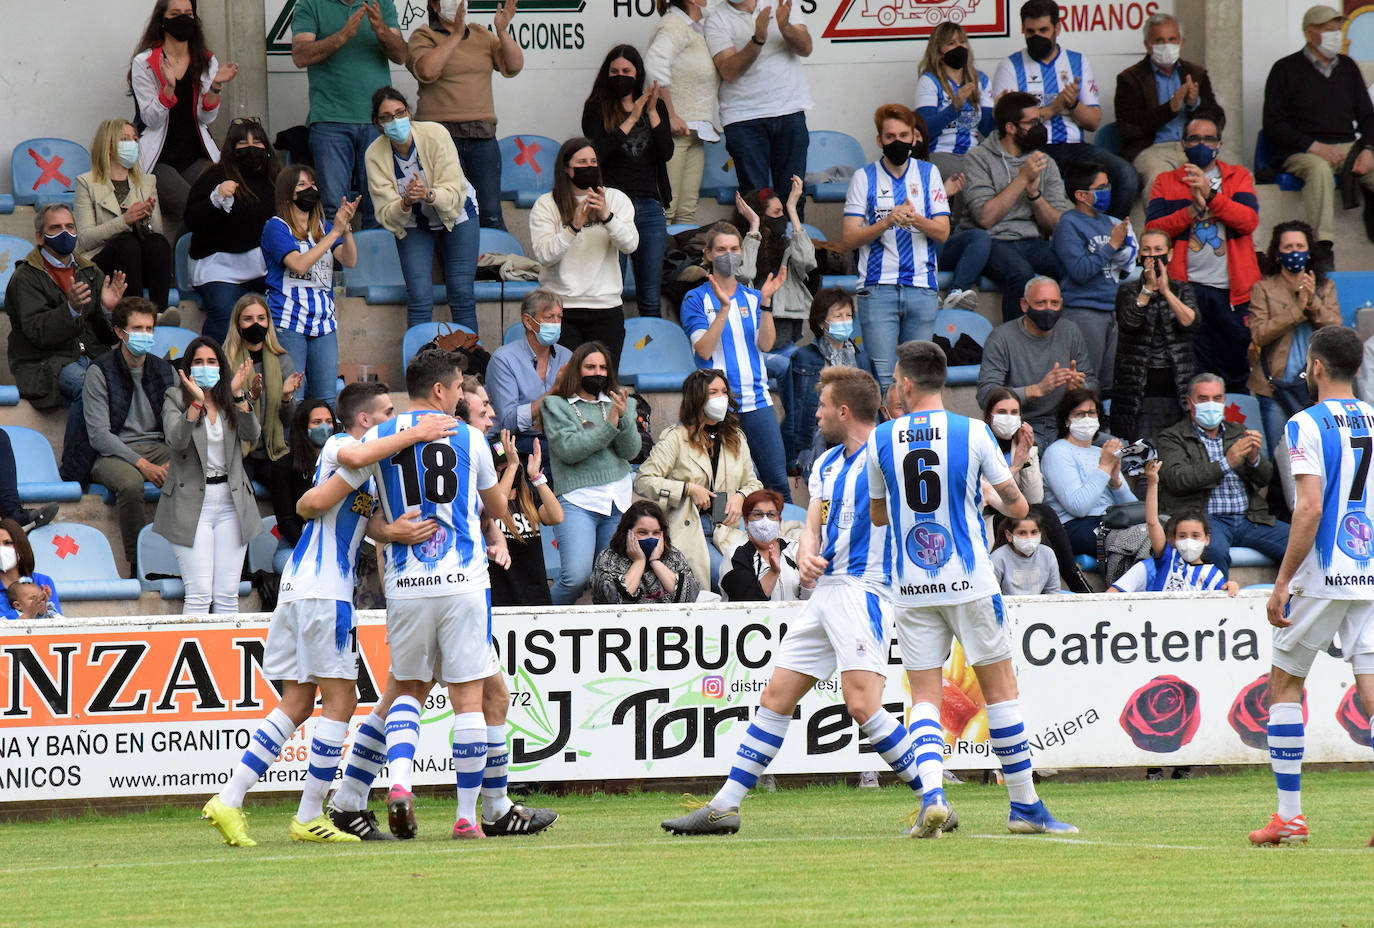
[
  {"x": 49, "y": 170},
  {"x": 65, "y": 545},
  {"x": 527, "y": 153}
]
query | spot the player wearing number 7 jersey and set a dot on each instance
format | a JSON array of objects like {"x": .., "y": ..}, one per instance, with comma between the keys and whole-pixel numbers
[
  {"x": 925, "y": 472},
  {"x": 312, "y": 642},
  {"x": 1325, "y": 584}
]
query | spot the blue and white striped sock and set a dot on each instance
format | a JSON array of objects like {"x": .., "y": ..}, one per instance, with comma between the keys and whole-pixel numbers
[
  {"x": 495, "y": 802},
  {"x": 262, "y": 751},
  {"x": 756, "y": 751},
  {"x": 469, "y": 758},
  {"x": 365, "y": 759},
  {"x": 402, "y": 735},
  {"x": 929, "y": 736},
  {"x": 893, "y": 743},
  {"x": 1285, "y": 756},
  {"x": 1007, "y": 733},
  {"x": 326, "y": 750}
]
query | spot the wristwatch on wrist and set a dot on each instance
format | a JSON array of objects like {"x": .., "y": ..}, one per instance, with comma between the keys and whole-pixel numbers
[
  {"x": 756, "y": 40},
  {"x": 609, "y": 217},
  {"x": 240, "y": 397},
  {"x": 429, "y": 196}
]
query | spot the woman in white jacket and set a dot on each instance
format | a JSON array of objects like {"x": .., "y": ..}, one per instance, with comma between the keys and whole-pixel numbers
[
  {"x": 577, "y": 233},
  {"x": 679, "y": 61},
  {"x": 176, "y": 83}
]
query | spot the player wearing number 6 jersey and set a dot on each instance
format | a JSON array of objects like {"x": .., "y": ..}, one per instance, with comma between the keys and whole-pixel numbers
[
  {"x": 1325, "y": 584},
  {"x": 925, "y": 473},
  {"x": 312, "y": 642}
]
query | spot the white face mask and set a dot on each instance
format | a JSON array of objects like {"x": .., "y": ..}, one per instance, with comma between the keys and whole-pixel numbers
[
  {"x": 448, "y": 9},
  {"x": 1164, "y": 55},
  {"x": 1331, "y": 42},
  {"x": 1190, "y": 549},
  {"x": 763, "y": 530},
  {"x": 1084, "y": 429},
  {"x": 8, "y": 558},
  {"x": 1004, "y": 425},
  {"x": 716, "y": 407},
  {"x": 1025, "y": 545}
]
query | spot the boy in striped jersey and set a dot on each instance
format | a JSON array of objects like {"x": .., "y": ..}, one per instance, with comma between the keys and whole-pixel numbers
[
  {"x": 1325, "y": 584},
  {"x": 925, "y": 472},
  {"x": 846, "y": 624},
  {"x": 312, "y": 644}
]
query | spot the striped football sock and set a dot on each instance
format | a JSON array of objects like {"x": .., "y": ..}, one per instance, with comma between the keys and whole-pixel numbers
[
  {"x": 365, "y": 759},
  {"x": 469, "y": 758},
  {"x": 262, "y": 751},
  {"x": 761, "y": 742},
  {"x": 929, "y": 736},
  {"x": 402, "y": 735},
  {"x": 495, "y": 802},
  {"x": 1007, "y": 733},
  {"x": 893, "y": 743},
  {"x": 1285, "y": 756},
  {"x": 326, "y": 749}
]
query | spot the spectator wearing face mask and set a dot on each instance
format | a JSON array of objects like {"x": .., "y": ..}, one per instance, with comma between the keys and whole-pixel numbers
[
  {"x": 640, "y": 566},
  {"x": 521, "y": 373},
  {"x": 1024, "y": 566},
  {"x": 764, "y": 568},
  {"x": 832, "y": 325},
  {"x": 311, "y": 426},
  {"x": 1081, "y": 479}
]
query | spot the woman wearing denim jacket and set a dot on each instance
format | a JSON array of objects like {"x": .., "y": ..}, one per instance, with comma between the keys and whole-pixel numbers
[{"x": 836, "y": 345}]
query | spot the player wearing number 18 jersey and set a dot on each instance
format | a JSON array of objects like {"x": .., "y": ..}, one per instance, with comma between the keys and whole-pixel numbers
[
  {"x": 1325, "y": 584},
  {"x": 925, "y": 473}
]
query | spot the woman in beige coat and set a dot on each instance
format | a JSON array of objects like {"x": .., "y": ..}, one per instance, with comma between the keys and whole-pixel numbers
[{"x": 702, "y": 457}]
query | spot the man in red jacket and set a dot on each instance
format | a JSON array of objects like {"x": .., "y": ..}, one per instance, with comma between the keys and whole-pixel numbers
[{"x": 1209, "y": 209}]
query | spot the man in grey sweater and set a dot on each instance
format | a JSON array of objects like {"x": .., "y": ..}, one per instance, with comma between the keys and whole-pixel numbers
[
  {"x": 1014, "y": 191},
  {"x": 1038, "y": 357}
]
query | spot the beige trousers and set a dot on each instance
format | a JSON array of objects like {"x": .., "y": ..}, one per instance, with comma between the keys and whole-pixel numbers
[
  {"x": 684, "y": 176},
  {"x": 1318, "y": 190}
]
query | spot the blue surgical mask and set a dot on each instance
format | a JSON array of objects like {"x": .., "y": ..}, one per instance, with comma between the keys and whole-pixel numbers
[
  {"x": 1295, "y": 261},
  {"x": 842, "y": 331},
  {"x": 1200, "y": 154},
  {"x": 398, "y": 130},
  {"x": 1102, "y": 199},
  {"x": 63, "y": 243},
  {"x": 126, "y": 150},
  {"x": 647, "y": 545},
  {"x": 205, "y": 376},
  {"x": 319, "y": 434},
  {"x": 1209, "y": 415},
  {"x": 140, "y": 343},
  {"x": 549, "y": 333}
]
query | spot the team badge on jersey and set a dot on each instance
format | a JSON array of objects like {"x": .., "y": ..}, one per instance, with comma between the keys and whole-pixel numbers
[
  {"x": 929, "y": 545},
  {"x": 1357, "y": 536},
  {"x": 436, "y": 546}
]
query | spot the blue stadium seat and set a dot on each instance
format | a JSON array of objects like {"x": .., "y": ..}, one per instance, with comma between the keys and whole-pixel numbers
[
  {"x": 793, "y": 512},
  {"x": 45, "y": 169},
  {"x": 527, "y": 167},
  {"x": 181, "y": 266},
  {"x": 9, "y": 395},
  {"x": 718, "y": 174},
  {"x": 1266, "y": 587},
  {"x": 501, "y": 242},
  {"x": 418, "y": 336},
  {"x": 151, "y": 493},
  {"x": 6, "y": 204},
  {"x": 170, "y": 341},
  {"x": 12, "y": 250},
  {"x": 1264, "y": 158},
  {"x": 1244, "y": 408},
  {"x": 38, "y": 478},
  {"x": 378, "y": 262},
  {"x": 826, "y": 150},
  {"x": 951, "y": 323},
  {"x": 551, "y": 559},
  {"x": 1249, "y": 557},
  {"x": 677, "y": 228},
  {"x": 846, "y": 282},
  {"x": 1108, "y": 139},
  {"x": 513, "y": 333},
  {"x": 263, "y": 549},
  {"x": 159, "y": 572},
  {"x": 79, "y": 559},
  {"x": 657, "y": 356},
  {"x": 1353, "y": 290},
  {"x": 1086, "y": 562}
]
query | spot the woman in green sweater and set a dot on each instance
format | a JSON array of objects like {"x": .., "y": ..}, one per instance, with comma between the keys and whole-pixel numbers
[{"x": 590, "y": 424}]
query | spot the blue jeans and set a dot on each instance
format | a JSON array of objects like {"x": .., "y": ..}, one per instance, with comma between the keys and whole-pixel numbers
[
  {"x": 575, "y": 555},
  {"x": 340, "y": 153},
  {"x": 1011, "y": 264},
  {"x": 480, "y": 160},
  {"x": 764, "y": 436},
  {"x": 779, "y": 365},
  {"x": 1120, "y": 173},
  {"x": 891, "y": 314},
  {"x": 1274, "y": 419},
  {"x": 768, "y": 151},
  {"x": 648, "y": 257},
  {"x": 1083, "y": 534},
  {"x": 71, "y": 380},
  {"x": 1237, "y": 531},
  {"x": 1223, "y": 339},
  {"x": 317, "y": 357},
  {"x": 217, "y": 299},
  {"x": 9, "y": 482},
  {"x": 707, "y": 527},
  {"x": 966, "y": 254},
  {"x": 458, "y": 253}
]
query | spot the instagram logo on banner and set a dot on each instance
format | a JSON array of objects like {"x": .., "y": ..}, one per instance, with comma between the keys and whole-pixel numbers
[{"x": 713, "y": 687}]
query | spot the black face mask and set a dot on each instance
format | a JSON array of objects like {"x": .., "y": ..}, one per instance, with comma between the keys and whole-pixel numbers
[
  {"x": 1039, "y": 46},
  {"x": 307, "y": 199},
  {"x": 1043, "y": 319},
  {"x": 594, "y": 384},
  {"x": 775, "y": 224},
  {"x": 252, "y": 159},
  {"x": 253, "y": 334},
  {"x": 180, "y": 27},
  {"x": 956, "y": 57},
  {"x": 1033, "y": 139},
  {"x": 586, "y": 177},
  {"x": 897, "y": 151},
  {"x": 620, "y": 85}
]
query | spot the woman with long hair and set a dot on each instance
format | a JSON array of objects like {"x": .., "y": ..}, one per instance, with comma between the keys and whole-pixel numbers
[
  {"x": 207, "y": 510},
  {"x": 694, "y": 463},
  {"x": 679, "y": 62},
  {"x": 769, "y": 246},
  {"x": 590, "y": 424},
  {"x": 953, "y": 97},
  {"x": 628, "y": 125},
  {"x": 176, "y": 84},
  {"x": 532, "y": 505},
  {"x": 640, "y": 566},
  {"x": 311, "y": 425},
  {"x": 299, "y": 247},
  {"x": 118, "y": 223},
  {"x": 16, "y": 563},
  {"x": 225, "y": 213},
  {"x": 578, "y": 231}
]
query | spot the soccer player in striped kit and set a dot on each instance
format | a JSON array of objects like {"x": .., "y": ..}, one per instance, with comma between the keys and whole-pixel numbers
[
  {"x": 312, "y": 643},
  {"x": 847, "y": 621},
  {"x": 1325, "y": 584},
  {"x": 925, "y": 472}
]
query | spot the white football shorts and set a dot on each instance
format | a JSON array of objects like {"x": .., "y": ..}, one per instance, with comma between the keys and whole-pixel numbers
[{"x": 311, "y": 640}]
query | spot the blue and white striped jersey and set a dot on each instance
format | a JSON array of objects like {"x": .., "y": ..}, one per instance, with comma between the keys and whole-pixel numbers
[
  {"x": 1169, "y": 573},
  {"x": 323, "y": 563},
  {"x": 441, "y": 479},
  {"x": 1334, "y": 440},
  {"x": 299, "y": 302},
  {"x": 927, "y": 466},
  {"x": 737, "y": 353},
  {"x": 1022, "y": 72},
  {"x": 900, "y": 255},
  {"x": 962, "y": 133},
  {"x": 850, "y": 543}
]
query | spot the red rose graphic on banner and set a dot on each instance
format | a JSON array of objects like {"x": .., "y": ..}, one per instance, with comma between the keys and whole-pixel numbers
[
  {"x": 1162, "y": 716},
  {"x": 1352, "y": 718},
  {"x": 1250, "y": 713}
]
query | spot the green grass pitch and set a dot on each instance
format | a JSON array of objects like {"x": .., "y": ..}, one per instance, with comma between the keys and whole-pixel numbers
[{"x": 1166, "y": 853}]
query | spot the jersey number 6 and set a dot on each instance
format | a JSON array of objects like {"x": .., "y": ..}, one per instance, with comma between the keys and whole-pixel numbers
[{"x": 922, "y": 480}]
